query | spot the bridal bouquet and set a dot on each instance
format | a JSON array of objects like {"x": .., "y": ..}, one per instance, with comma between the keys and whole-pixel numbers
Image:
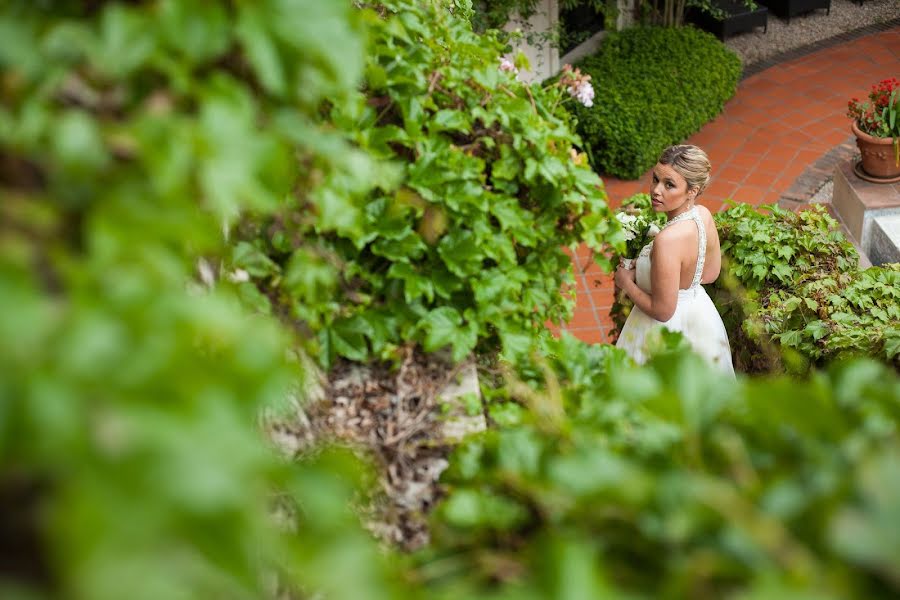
[{"x": 639, "y": 228}]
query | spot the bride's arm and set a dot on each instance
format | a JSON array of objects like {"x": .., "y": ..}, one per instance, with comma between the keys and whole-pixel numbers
[{"x": 665, "y": 272}]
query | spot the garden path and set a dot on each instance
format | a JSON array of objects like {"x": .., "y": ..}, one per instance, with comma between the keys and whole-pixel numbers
[{"x": 780, "y": 122}]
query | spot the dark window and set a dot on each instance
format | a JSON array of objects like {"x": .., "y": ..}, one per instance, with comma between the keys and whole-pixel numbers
[{"x": 578, "y": 24}]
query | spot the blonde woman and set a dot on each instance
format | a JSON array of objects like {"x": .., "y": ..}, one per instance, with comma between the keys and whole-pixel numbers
[{"x": 665, "y": 283}]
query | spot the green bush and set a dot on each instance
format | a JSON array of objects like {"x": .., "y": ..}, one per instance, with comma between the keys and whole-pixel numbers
[
  {"x": 669, "y": 482},
  {"x": 792, "y": 280},
  {"x": 131, "y": 461},
  {"x": 459, "y": 238},
  {"x": 654, "y": 87}
]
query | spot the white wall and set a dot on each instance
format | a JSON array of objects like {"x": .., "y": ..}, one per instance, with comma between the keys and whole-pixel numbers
[{"x": 544, "y": 58}]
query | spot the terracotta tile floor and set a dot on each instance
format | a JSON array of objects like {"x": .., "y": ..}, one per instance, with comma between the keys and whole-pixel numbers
[{"x": 780, "y": 121}]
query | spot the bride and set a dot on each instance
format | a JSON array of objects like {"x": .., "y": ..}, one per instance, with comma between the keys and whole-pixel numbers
[{"x": 665, "y": 283}]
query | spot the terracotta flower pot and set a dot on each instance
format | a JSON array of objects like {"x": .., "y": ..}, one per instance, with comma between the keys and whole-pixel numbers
[{"x": 878, "y": 157}]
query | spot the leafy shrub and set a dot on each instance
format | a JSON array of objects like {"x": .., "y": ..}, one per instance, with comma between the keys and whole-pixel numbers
[
  {"x": 655, "y": 86},
  {"x": 855, "y": 313},
  {"x": 459, "y": 237},
  {"x": 131, "y": 464},
  {"x": 667, "y": 482},
  {"x": 793, "y": 279}
]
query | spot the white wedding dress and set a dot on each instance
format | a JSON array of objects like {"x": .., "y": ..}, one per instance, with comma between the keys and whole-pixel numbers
[{"x": 695, "y": 315}]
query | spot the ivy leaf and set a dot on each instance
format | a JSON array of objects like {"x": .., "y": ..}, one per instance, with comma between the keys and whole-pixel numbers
[
  {"x": 445, "y": 327},
  {"x": 790, "y": 338},
  {"x": 460, "y": 252},
  {"x": 382, "y": 328},
  {"x": 253, "y": 260},
  {"x": 785, "y": 251},
  {"x": 348, "y": 337},
  {"x": 377, "y": 140},
  {"x": 413, "y": 115},
  {"x": 507, "y": 167},
  {"x": 198, "y": 29},
  {"x": 441, "y": 327},
  {"x": 468, "y": 508},
  {"x": 415, "y": 285},
  {"x": 309, "y": 276},
  {"x": 782, "y": 271},
  {"x": 509, "y": 213},
  {"x": 817, "y": 329},
  {"x": 402, "y": 248},
  {"x": 892, "y": 343},
  {"x": 467, "y": 339},
  {"x": 792, "y": 304},
  {"x": 125, "y": 41},
  {"x": 449, "y": 120},
  {"x": 445, "y": 282},
  {"x": 760, "y": 272},
  {"x": 500, "y": 249}
]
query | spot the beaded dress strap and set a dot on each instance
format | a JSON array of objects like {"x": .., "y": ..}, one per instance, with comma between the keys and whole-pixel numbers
[{"x": 694, "y": 215}]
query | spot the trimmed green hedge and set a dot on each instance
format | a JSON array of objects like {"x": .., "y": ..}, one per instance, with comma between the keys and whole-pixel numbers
[{"x": 655, "y": 86}]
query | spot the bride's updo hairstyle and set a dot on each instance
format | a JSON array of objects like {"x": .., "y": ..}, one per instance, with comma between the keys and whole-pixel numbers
[{"x": 690, "y": 162}]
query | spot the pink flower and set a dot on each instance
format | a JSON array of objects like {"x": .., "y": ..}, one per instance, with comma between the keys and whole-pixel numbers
[
  {"x": 583, "y": 91},
  {"x": 578, "y": 85},
  {"x": 507, "y": 65}
]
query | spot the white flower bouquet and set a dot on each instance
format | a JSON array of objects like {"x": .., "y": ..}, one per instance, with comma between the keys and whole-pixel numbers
[{"x": 639, "y": 228}]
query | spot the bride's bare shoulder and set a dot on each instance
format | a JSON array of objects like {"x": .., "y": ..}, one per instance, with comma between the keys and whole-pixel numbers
[
  {"x": 704, "y": 212},
  {"x": 671, "y": 236}
]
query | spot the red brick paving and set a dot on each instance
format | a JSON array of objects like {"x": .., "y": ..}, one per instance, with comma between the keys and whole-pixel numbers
[{"x": 779, "y": 122}]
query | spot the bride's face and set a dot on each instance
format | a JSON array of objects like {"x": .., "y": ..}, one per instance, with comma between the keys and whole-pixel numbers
[{"x": 668, "y": 189}]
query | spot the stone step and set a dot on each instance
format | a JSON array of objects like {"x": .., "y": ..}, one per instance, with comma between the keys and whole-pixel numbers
[
  {"x": 885, "y": 239},
  {"x": 858, "y": 204}
]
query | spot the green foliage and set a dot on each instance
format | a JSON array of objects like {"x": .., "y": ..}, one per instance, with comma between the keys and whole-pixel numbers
[
  {"x": 456, "y": 236},
  {"x": 792, "y": 279},
  {"x": 495, "y": 14},
  {"x": 670, "y": 13},
  {"x": 131, "y": 464},
  {"x": 776, "y": 246},
  {"x": 655, "y": 87},
  {"x": 668, "y": 482},
  {"x": 711, "y": 7},
  {"x": 852, "y": 313}
]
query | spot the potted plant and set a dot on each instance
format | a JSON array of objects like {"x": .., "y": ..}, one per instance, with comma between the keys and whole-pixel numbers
[{"x": 876, "y": 124}]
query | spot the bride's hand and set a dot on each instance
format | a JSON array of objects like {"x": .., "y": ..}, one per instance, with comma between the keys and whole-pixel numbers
[{"x": 623, "y": 275}]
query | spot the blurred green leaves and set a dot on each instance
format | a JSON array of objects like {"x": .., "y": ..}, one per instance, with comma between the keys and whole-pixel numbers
[
  {"x": 656, "y": 488},
  {"x": 131, "y": 383},
  {"x": 165, "y": 165}
]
